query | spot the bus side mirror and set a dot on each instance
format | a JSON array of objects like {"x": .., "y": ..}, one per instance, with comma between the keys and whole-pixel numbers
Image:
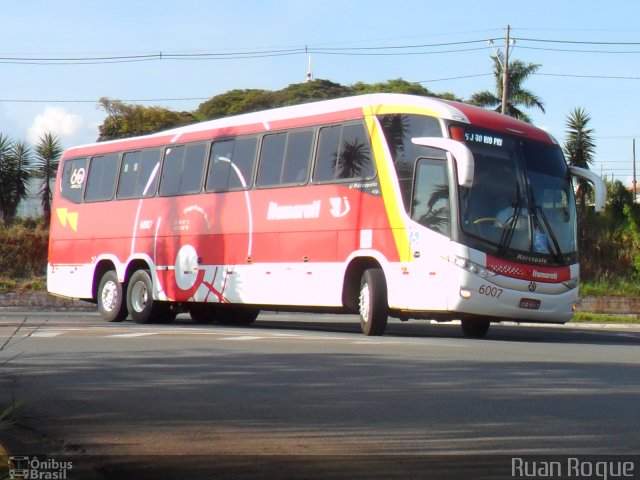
[
  {"x": 600, "y": 188},
  {"x": 462, "y": 156}
]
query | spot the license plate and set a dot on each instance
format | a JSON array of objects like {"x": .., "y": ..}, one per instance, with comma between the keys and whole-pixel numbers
[{"x": 530, "y": 303}]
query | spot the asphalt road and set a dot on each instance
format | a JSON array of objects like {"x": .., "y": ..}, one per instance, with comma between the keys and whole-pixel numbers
[{"x": 312, "y": 390}]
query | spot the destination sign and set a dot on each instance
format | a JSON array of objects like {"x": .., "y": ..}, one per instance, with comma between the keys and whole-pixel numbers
[{"x": 475, "y": 137}]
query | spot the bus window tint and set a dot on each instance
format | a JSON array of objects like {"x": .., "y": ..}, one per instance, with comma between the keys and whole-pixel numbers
[
  {"x": 328, "y": 145},
  {"x": 271, "y": 160},
  {"x": 430, "y": 205},
  {"x": 183, "y": 169},
  {"x": 244, "y": 159},
  {"x": 219, "y": 166},
  {"x": 138, "y": 174},
  {"x": 102, "y": 178},
  {"x": 344, "y": 153},
  {"x": 297, "y": 158},
  {"x": 74, "y": 175},
  {"x": 398, "y": 131},
  {"x": 231, "y": 164}
]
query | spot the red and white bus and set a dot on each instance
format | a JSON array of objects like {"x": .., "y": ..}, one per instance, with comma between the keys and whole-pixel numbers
[{"x": 382, "y": 205}]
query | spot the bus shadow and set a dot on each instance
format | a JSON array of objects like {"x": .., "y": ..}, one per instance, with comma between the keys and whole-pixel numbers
[{"x": 565, "y": 334}]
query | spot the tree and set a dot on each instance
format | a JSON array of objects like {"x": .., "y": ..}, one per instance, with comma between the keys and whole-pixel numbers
[
  {"x": 579, "y": 147},
  {"x": 126, "y": 120},
  {"x": 47, "y": 157},
  {"x": 235, "y": 102},
  {"x": 15, "y": 158},
  {"x": 517, "y": 95}
]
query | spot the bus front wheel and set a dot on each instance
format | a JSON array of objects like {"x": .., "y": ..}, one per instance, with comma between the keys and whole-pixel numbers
[
  {"x": 475, "y": 328},
  {"x": 372, "y": 304},
  {"x": 111, "y": 303},
  {"x": 142, "y": 307}
]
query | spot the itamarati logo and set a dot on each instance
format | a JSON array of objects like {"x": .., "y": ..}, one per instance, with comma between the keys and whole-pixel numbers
[
  {"x": 34, "y": 468},
  {"x": 294, "y": 212}
]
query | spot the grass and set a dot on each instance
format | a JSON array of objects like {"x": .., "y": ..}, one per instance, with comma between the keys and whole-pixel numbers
[
  {"x": 8, "y": 284},
  {"x": 608, "y": 287},
  {"x": 587, "y": 317}
]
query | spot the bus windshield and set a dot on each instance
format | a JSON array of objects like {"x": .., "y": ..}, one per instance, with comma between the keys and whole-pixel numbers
[{"x": 521, "y": 200}]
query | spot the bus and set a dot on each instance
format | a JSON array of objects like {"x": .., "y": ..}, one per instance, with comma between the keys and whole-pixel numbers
[{"x": 380, "y": 205}]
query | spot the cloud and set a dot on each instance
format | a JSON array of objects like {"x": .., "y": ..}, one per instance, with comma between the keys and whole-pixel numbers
[{"x": 55, "y": 120}]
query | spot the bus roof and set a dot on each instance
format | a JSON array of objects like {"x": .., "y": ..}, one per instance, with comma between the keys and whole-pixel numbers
[{"x": 324, "y": 111}]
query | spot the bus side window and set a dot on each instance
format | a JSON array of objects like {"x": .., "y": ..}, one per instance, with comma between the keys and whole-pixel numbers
[
  {"x": 355, "y": 159},
  {"x": 231, "y": 164},
  {"x": 101, "y": 182},
  {"x": 219, "y": 166},
  {"x": 271, "y": 160},
  {"x": 298, "y": 158},
  {"x": 344, "y": 153},
  {"x": 183, "y": 169},
  {"x": 244, "y": 158},
  {"x": 430, "y": 205},
  {"x": 74, "y": 176},
  {"x": 128, "y": 175},
  {"x": 148, "y": 173},
  {"x": 326, "y": 158},
  {"x": 138, "y": 174}
]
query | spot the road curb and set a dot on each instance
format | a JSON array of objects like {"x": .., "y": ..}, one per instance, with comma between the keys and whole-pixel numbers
[{"x": 41, "y": 300}]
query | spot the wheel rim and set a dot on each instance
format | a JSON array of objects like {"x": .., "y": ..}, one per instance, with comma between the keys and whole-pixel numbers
[
  {"x": 109, "y": 296},
  {"x": 364, "y": 303},
  {"x": 139, "y": 296}
]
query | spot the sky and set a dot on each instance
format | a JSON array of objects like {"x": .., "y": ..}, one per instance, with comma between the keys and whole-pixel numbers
[{"x": 179, "y": 53}]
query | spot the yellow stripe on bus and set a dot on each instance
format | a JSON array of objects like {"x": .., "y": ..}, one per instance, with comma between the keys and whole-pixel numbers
[{"x": 391, "y": 203}]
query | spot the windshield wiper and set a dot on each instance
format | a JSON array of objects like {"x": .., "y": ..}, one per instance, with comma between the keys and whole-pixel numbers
[
  {"x": 557, "y": 253},
  {"x": 510, "y": 224}
]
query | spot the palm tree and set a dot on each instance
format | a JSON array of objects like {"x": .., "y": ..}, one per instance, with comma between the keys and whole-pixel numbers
[
  {"x": 15, "y": 171},
  {"x": 517, "y": 94},
  {"x": 579, "y": 147},
  {"x": 48, "y": 151}
]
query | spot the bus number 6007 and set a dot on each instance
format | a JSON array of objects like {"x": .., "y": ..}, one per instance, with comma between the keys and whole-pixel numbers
[{"x": 490, "y": 291}]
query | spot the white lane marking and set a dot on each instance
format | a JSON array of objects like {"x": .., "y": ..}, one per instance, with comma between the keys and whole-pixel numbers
[
  {"x": 47, "y": 333},
  {"x": 131, "y": 335},
  {"x": 244, "y": 337}
]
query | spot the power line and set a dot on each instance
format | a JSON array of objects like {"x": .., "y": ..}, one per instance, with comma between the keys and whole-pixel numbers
[
  {"x": 576, "y": 42},
  {"x": 133, "y": 100},
  {"x": 575, "y": 75},
  {"x": 573, "y": 50}
]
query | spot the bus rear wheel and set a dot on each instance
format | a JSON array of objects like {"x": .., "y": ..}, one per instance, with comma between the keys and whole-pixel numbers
[
  {"x": 203, "y": 313},
  {"x": 475, "y": 328},
  {"x": 372, "y": 304},
  {"x": 237, "y": 316},
  {"x": 111, "y": 302},
  {"x": 142, "y": 307}
]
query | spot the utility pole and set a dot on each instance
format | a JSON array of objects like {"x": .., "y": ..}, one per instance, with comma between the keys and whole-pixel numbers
[{"x": 505, "y": 73}]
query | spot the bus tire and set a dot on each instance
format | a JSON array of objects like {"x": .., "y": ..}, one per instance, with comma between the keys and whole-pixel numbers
[
  {"x": 202, "y": 313},
  {"x": 110, "y": 298},
  {"x": 475, "y": 328},
  {"x": 142, "y": 307},
  {"x": 372, "y": 304},
  {"x": 240, "y": 316}
]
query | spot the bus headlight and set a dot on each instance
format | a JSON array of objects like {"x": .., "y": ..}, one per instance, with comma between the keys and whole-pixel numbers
[{"x": 472, "y": 267}]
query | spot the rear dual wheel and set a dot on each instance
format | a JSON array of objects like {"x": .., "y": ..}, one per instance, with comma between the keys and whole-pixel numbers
[
  {"x": 111, "y": 300},
  {"x": 140, "y": 303},
  {"x": 224, "y": 315}
]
